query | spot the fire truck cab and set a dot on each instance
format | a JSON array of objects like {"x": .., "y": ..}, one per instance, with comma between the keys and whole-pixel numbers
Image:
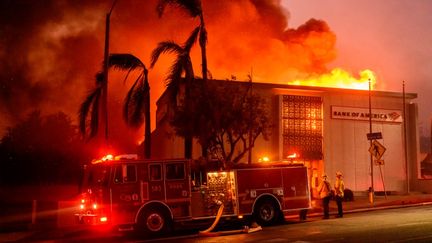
[{"x": 152, "y": 196}]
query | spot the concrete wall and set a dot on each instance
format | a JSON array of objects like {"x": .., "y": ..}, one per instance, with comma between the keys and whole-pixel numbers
[
  {"x": 416, "y": 183},
  {"x": 346, "y": 145}
]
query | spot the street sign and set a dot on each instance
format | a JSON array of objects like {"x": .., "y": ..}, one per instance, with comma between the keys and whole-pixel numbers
[
  {"x": 376, "y": 149},
  {"x": 374, "y": 135}
]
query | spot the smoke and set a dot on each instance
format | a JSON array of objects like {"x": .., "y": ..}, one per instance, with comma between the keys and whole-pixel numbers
[
  {"x": 50, "y": 50},
  {"x": 254, "y": 36},
  {"x": 44, "y": 55}
]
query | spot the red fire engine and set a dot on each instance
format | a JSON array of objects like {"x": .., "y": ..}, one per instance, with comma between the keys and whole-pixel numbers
[{"x": 152, "y": 195}]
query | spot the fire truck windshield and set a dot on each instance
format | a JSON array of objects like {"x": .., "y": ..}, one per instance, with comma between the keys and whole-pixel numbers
[{"x": 95, "y": 175}]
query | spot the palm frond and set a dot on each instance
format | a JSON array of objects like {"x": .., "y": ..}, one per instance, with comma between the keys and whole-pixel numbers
[
  {"x": 136, "y": 104},
  {"x": 90, "y": 103},
  {"x": 94, "y": 120},
  {"x": 187, "y": 46},
  {"x": 164, "y": 47},
  {"x": 193, "y": 7},
  {"x": 160, "y": 8},
  {"x": 182, "y": 65},
  {"x": 173, "y": 79},
  {"x": 137, "y": 117},
  {"x": 127, "y": 107},
  {"x": 124, "y": 61},
  {"x": 175, "y": 72}
]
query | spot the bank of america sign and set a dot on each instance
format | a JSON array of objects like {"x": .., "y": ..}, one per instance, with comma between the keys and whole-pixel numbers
[{"x": 362, "y": 114}]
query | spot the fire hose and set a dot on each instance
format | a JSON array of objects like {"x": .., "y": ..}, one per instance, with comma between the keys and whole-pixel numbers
[
  {"x": 218, "y": 215},
  {"x": 208, "y": 232}
]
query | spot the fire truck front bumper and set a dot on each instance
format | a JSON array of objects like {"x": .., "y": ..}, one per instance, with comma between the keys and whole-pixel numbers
[{"x": 89, "y": 219}]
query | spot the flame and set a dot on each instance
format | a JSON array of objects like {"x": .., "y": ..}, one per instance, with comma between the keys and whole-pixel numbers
[
  {"x": 340, "y": 78},
  {"x": 292, "y": 156}
]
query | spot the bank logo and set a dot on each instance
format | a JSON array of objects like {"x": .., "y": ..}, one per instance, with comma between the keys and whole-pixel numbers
[{"x": 394, "y": 115}]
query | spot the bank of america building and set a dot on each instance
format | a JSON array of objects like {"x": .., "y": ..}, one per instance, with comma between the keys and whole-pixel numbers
[{"x": 326, "y": 129}]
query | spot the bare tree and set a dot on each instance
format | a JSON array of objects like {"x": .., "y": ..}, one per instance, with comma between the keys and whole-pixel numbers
[{"x": 225, "y": 118}]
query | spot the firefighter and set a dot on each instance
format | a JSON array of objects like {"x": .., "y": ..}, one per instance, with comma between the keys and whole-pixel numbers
[
  {"x": 339, "y": 188},
  {"x": 324, "y": 190}
]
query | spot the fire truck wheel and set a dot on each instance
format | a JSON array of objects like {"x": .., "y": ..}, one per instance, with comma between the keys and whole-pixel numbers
[
  {"x": 154, "y": 222},
  {"x": 266, "y": 213}
]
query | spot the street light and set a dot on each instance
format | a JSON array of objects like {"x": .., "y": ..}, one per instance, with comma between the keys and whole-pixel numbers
[{"x": 105, "y": 70}]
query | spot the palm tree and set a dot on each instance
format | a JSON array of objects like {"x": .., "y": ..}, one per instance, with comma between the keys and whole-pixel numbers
[
  {"x": 136, "y": 108},
  {"x": 174, "y": 81},
  {"x": 92, "y": 103},
  {"x": 194, "y": 8}
]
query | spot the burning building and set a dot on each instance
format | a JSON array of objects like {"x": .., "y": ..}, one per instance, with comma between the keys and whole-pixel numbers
[{"x": 326, "y": 129}]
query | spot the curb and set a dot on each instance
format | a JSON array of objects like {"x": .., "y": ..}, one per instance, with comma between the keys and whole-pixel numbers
[
  {"x": 366, "y": 209},
  {"x": 388, "y": 207}
]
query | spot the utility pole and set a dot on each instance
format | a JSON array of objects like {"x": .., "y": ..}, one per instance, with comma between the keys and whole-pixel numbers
[
  {"x": 105, "y": 71},
  {"x": 371, "y": 196},
  {"x": 250, "y": 121},
  {"x": 405, "y": 140}
]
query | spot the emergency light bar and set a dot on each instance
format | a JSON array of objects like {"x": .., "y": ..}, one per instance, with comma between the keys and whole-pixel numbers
[
  {"x": 126, "y": 156},
  {"x": 110, "y": 157}
]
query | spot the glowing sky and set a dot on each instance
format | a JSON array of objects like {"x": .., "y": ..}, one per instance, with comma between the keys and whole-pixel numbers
[{"x": 392, "y": 38}]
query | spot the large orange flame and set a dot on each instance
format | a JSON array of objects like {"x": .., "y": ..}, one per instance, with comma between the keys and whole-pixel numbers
[{"x": 340, "y": 78}]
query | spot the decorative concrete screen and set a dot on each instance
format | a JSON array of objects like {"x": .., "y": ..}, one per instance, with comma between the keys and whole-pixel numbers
[{"x": 302, "y": 126}]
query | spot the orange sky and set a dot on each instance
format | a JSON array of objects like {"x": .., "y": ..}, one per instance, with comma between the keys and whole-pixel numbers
[{"x": 392, "y": 38}]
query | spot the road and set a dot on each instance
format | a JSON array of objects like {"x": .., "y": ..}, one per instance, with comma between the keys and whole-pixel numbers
[{"x": 411, "y": 224}]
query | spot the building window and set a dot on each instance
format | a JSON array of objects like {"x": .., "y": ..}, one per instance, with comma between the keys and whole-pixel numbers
[{"x": 302, "y": 126}]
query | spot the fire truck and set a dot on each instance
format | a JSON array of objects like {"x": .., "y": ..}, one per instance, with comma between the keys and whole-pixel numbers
[{"x": 152, "y": 196}]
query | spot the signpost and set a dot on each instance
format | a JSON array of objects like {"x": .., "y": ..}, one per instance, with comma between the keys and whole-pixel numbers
[{"x": 377, "y": 150}]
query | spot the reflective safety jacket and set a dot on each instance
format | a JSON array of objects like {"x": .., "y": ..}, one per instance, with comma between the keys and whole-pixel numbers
[
  {"x": 339, "y": 187},
  {"x": 324, "y": 189}
]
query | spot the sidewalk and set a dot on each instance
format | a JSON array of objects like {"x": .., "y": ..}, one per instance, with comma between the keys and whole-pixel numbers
[{"x": 362, "y": 203}]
